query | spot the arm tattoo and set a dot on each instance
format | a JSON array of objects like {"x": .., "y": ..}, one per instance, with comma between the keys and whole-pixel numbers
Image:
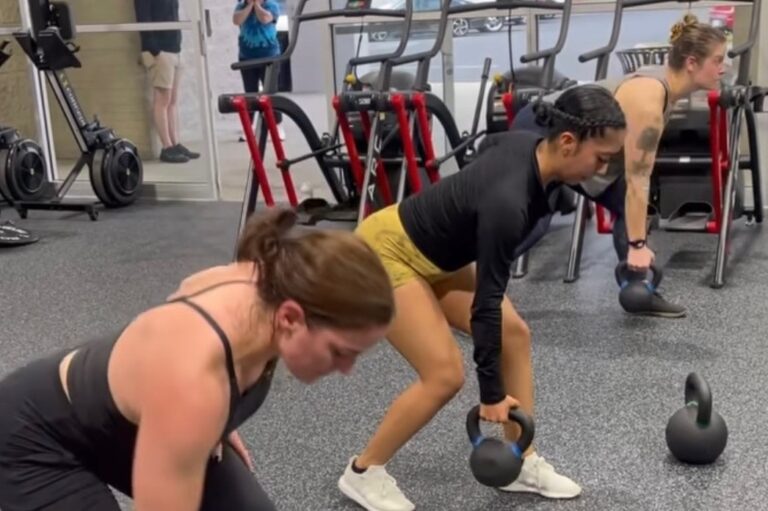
[{"x": 647, "y": 142}]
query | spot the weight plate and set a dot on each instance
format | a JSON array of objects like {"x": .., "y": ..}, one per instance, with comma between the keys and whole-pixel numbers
[
  {"x": 25, "y": 175},
  {"x": 12, "y": 236},
  {"x": 117, "y": 175}
]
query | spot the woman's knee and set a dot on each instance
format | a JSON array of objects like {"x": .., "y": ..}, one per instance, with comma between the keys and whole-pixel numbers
[
  {"x": 444, "y": 378},
  {"x": 229, "y": 484}
]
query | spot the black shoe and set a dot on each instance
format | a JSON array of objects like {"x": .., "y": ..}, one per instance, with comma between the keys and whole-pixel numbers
[
  {"x": 661, "y": 308},
  {"x": 186, "y": 152},
  {"x": 173, "y": 155}
]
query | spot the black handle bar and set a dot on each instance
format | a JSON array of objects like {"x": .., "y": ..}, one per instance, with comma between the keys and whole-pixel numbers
[
  {"x": 743, "y": 50},
  {"x": 435, "y": 49},
  {"x": 565, "y": 21}
]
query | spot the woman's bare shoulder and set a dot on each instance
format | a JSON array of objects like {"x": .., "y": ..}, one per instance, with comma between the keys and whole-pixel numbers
[
  {"x": 642, "y": 91},
  {"x": 212, "y": 276}
]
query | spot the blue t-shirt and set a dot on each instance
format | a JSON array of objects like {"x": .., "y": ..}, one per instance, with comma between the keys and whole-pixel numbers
[{"x": 258, "y": 40}]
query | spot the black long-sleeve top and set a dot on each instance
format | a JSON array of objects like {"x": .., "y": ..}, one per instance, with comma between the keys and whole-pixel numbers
[{"x": 481, "y": 214}]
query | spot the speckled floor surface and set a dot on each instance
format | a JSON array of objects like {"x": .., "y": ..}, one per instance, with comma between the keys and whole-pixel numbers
[{"x": 606, "y": 383}]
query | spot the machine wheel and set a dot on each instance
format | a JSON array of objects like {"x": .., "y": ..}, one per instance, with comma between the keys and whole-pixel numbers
[
  {"x": 117, "y": 174},
  {"x": 25, "y": 176},
  {"x": 22, "y": 171}
]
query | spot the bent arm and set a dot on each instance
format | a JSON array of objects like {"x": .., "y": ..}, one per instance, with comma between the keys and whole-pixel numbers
[
  {"x": 242, "y": 11},
  {"x": 265, "y": 15},
  {"x": 498, "y": 235},
  {"x": 182, "y": 416},
  {"x": 643, "y": 107}
]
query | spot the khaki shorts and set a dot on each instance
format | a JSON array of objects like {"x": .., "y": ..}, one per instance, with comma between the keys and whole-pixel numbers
[
  {"x": 162, "y": 68},
  {"x": 384, "y": 233}
]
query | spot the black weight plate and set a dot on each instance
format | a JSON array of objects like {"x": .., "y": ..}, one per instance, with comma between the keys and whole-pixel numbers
[
  {"x": 12, "y": 236},
  {"x": 25, "y": 174},
  {"x": 97, "y": 182}
]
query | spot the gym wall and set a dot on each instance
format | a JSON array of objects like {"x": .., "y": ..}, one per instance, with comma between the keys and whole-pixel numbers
[{"x": 17, "y": 105}]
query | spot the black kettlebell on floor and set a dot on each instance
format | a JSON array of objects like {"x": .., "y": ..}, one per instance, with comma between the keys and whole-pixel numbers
[
  {"x": 696, "y": 434},
  {"x": 495, "y": 462},
  {"x": 636, "y": 295}
]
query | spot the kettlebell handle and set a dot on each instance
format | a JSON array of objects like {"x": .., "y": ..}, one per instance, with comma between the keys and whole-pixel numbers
[
  {"x": 516, "y": 415},
  {"x": 697, "y": 391},
  {"x": 623, "y": 268}
]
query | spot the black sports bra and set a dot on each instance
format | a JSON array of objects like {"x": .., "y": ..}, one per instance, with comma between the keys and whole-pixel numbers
[
  {"x": 97, "y": 412},
  {"x": 241, "y": 405}
]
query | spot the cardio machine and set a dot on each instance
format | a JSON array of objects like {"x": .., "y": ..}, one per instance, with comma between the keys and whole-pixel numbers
[
  {"x": 115, "y": 168},
  {"x": 341, "y": 170},
  {"x": 407, "y": 113},
  {"x": 415, "y": 108},
  {"x": 698, "y": 183},
  {"x": 512, "y": 90},
  {"x": 22, "y": 171}
]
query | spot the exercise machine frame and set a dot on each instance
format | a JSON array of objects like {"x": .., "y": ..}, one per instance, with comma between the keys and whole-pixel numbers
[
  {"x": 413, "y": 108},
  {"x": 327, "y": 152}
]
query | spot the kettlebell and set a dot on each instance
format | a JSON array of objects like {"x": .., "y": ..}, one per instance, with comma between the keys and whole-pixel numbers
[
  {"x": 636, "y": 295},
  {"x": 495, "y": 462},
  {"x": 696, "y": 434}
]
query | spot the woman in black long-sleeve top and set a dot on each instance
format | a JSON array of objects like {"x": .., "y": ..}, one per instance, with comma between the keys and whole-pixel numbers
[{"x": 448, "y": 252}]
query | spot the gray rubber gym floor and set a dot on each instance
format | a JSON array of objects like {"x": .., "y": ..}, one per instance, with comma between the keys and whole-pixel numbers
[{"x": 606, "y": 382}]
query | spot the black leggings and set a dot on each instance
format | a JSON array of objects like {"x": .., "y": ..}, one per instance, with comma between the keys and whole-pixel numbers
[
  {"x": 252, "y": 78},
  {"x": 612, "y": 198},
  {"x": 45, "y": 464}
]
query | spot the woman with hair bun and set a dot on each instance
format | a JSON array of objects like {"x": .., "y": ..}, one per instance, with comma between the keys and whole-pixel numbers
[
  {"x": 448, "y": 251},
  {"x": 695, "y": 62},
  {"x": 153, "y": 410}
]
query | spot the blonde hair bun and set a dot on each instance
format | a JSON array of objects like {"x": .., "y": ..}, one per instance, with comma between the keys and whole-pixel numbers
[{"x": 689, "y": 20}]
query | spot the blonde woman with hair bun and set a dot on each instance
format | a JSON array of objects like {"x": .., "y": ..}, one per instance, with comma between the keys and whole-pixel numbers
[{"x": 695, "y": 62}]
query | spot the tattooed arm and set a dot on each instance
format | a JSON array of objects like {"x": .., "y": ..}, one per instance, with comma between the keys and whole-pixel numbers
[{"x": 642, "y": 100}]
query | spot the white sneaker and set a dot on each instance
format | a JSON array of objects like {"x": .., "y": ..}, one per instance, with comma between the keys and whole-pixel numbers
[
  {"x": 280, "y": 132},
  {"x": 374, "y": 489},
  {"x": 538, "y": 476}
]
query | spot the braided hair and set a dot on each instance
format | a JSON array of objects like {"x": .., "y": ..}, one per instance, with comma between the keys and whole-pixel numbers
[{"x": 584, "y": 110}]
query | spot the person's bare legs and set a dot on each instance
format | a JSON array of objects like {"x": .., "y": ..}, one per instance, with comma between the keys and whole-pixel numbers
[
  {"x": 421, "y": 334},
  {"x": 455, "y": 295},
  {"x": 161, "y": 100},
  {"x": 173, "y": 112}
]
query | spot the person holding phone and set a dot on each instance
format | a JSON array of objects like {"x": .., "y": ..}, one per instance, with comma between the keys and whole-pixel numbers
[{"x": 257, "y": 20}]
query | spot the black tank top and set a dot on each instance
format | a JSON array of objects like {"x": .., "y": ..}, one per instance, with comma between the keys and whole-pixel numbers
[{"x": 111, "y": 437}]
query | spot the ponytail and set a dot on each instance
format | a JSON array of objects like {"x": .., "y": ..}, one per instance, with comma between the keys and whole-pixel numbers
[
  {"x": 263, "y": 242},
  {"x": 337, "y": 279}
]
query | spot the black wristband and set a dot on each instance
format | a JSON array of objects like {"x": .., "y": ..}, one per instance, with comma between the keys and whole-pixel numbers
[{"x": 637, "y": 243}]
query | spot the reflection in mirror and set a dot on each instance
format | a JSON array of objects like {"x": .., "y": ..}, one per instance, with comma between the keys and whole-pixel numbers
[{"x": 152, "y": 100}]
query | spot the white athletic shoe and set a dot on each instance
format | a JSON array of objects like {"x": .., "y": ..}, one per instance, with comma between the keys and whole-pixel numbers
[
  {"x": 374, "y": 489},
  {"x": 538, "y": 476}
]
